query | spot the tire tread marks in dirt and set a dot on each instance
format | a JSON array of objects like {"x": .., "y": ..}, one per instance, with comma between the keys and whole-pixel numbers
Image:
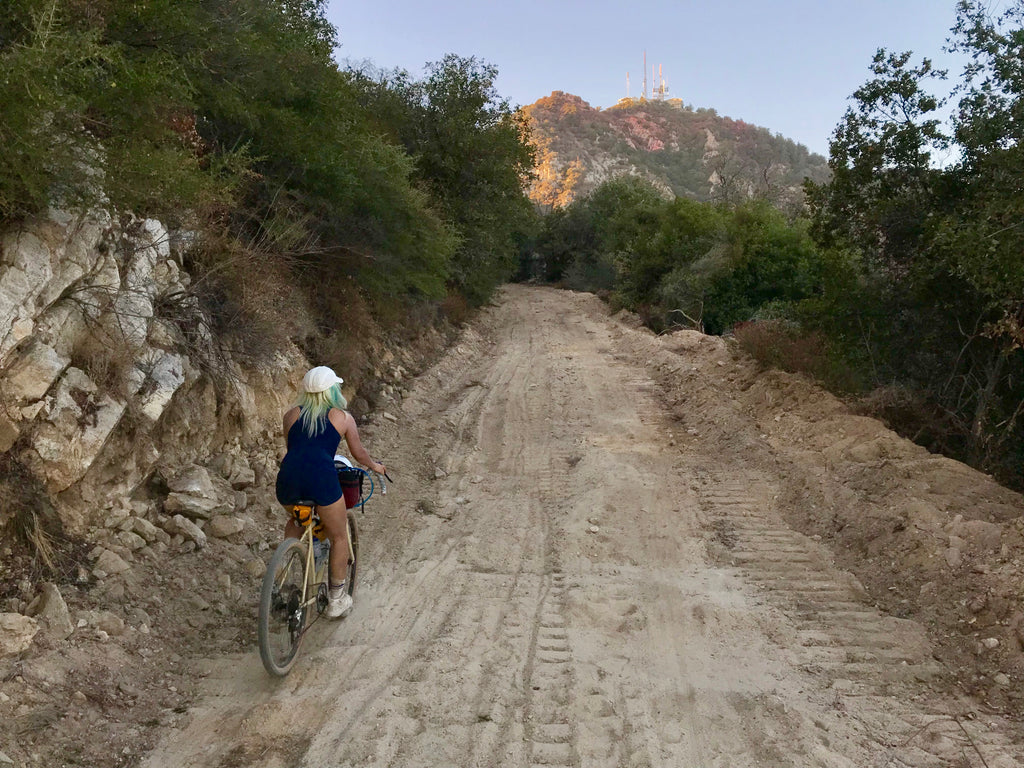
[
  {"x": 548, "y": 677},
  {"x": 872, "y": 661}
]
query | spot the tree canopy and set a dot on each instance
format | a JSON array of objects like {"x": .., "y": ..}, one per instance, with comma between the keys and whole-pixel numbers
[{"x": 232, "y": 116}]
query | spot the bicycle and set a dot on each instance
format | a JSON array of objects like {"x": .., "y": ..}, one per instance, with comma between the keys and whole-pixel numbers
[{"x": 295, "y": 584}]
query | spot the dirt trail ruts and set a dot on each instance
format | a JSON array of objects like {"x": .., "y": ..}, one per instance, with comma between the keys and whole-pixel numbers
[{"x": 565, "y": 575}]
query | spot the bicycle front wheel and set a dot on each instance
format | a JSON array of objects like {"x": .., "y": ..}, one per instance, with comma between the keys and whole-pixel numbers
[{"x": 282, "y": 616}]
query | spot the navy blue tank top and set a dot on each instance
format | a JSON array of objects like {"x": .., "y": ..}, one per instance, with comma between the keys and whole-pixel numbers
[{"x": 307, "y": 471}]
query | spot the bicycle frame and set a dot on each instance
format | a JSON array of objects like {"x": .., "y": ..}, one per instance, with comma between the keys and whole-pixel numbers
[
  {"x": 311, "y": 577},
  {"x": 310, "y": 580}
]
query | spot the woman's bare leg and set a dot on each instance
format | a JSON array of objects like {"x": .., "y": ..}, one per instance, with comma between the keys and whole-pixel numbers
[
  {"x": 335, "y": 520},
  {"x": 292, "y": 530}
]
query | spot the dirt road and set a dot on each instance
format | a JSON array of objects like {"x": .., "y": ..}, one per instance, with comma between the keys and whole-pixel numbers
[{"x": 580, "y": 566}]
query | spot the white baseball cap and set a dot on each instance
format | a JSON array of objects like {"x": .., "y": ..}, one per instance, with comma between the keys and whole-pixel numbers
[{"x": 320, "y": 379}]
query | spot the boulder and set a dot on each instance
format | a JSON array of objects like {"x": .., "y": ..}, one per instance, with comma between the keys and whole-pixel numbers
[
  {"x": 33, "y": 372},
  {"x": 194, "y": 507},
  {"x": 189, "y": 530},
  {"x": 198, "y": 495},
  {"x": 16, "y": 633},
  {"x": 117, "y": 518},
  {"x": 146, "y": 530},
  {"x": 130, "y": 540},
  {"x": 236, "y": 470},
  {"x": 223, "y": 526},
  {"x": 54, "y": 610},
  {"x": 110, "y": 563},
  {"x": 73, "y": 431},
  {"x": 193, "y": 480}
]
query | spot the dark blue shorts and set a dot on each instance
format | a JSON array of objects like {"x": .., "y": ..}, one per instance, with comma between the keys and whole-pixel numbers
[{"x": 302, "y": 482}]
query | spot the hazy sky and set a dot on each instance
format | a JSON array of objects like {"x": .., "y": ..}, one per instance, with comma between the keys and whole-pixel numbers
[{"x": 787, "y": 65}]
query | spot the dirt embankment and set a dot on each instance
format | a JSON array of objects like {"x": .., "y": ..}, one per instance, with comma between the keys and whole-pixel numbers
[{"x": 604, "y": 548}]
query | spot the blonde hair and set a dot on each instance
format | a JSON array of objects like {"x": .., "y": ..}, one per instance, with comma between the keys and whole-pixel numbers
[{"x": 316, "y": 405}]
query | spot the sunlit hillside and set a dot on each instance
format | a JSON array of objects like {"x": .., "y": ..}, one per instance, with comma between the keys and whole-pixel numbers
[{"x": 686, "y": 152}]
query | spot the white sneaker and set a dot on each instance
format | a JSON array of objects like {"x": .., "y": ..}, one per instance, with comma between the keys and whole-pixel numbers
[{"x": 339, "y": 603}]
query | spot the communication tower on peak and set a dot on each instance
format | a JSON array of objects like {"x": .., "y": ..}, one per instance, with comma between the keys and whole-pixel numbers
[
  {"x": 661, "y": 92},
  {"x": 659, "y": 89}
]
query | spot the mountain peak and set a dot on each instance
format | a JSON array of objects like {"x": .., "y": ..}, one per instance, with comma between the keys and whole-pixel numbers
[{"x": 682, "y": 150}]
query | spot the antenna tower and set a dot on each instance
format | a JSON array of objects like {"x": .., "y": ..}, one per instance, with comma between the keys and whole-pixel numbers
[
  {"x": 662, "y": 91},
  {"x": 645, "y": 75}
]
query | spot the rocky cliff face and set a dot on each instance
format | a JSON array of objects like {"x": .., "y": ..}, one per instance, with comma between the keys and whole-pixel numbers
[
  {"x": 138, "y": 454},
  {"x": 107, "y": 370},
  {"x": 137, "y": 461},
  {"x": 683, "y": 151}
]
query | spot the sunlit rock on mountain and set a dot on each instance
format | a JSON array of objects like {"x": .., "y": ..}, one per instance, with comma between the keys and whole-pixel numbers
[{"x": 682, "y": 150}]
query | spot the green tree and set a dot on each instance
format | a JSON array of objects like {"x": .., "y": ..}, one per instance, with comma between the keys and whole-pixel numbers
[
  {"x": 939, "y": 246},
  {"x": 768, "y": 265},
  {"x": 581, "y": 242},
  {"x": 473, "y": 155},
  {"x": 88, "y": 118},
  {"x": 682, "y": 243}
]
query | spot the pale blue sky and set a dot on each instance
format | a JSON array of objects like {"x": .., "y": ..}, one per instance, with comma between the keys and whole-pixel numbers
[{"x": 787, "y": 65}]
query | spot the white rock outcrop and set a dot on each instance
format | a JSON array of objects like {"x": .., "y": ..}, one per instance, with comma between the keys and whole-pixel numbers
[
  {"x": 54, "y": 611},
  {"x": 103, "y": 350},
  {"x": 40, "y": 263},
  {"x": 74, "y": 428}
]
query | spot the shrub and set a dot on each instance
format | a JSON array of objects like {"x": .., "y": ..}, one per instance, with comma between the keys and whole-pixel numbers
[
  {"x": 780, "y": 344},
  {"x": 455, "y": 308},
  {"x": 87, "y": 120}
]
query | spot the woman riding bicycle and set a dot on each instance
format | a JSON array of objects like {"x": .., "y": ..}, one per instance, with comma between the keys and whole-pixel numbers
[{"x": 313, "y": 429}]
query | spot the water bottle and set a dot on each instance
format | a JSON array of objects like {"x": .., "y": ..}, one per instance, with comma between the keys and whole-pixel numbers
[{"x": 321, "y": 552}]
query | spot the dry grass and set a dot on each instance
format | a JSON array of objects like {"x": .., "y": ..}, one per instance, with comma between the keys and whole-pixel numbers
[
  {"x": 456, "y": 309},
  {"x": 29, "y": 517},
  {"x": 107, "y": 362},
  {"x": 345, "y": 332},
  {"x": 778, "y": 344}
]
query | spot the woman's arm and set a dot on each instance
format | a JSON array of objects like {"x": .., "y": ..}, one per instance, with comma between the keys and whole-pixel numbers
[
  {"x": 290, "y": 417},
  {"x": 346, "y": 427}
]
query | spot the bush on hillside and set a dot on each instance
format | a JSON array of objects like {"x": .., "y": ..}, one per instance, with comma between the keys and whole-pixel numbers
[{"x": 231, "y": 117}]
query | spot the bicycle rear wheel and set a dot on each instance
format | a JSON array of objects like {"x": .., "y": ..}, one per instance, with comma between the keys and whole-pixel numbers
[
  {"x": 353, "y": 536},
  {"x": 282, "y": 617}
]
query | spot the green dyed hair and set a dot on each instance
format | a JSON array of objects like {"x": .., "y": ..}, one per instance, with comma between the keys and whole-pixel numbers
[{"x": 315, "y": 407}]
